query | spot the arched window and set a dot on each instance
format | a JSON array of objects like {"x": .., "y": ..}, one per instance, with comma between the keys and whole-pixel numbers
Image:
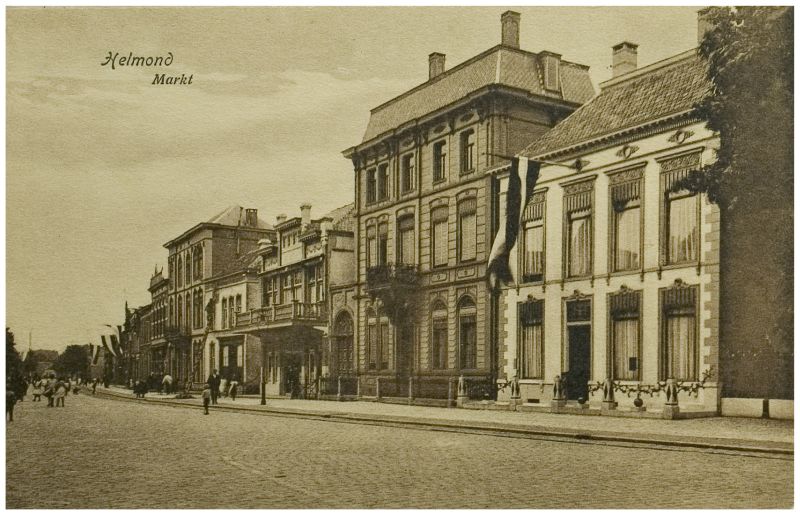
[
  {"x": 188, "y": 270},
  {"x": 179, "y": 274},
  {"x": 224, "y": 313},
  {"x": 467, "y": 334},
  {"x": 171, "y": 311},
  {"x": 188, "y": 310},
  {"x": 343, "y": 338},
  {"x": 438, "y": 335}
]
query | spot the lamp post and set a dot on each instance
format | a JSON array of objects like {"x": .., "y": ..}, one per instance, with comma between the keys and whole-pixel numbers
[{"x": 263, "y": 389}]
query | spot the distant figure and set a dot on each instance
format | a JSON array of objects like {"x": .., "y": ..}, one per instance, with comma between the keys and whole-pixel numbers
[
  {"x": 49, "y": 391},
  {"x": 94, "y": 386},
  {"x": 105, "y": 381},
  {"x": 234, "y": 388},
  {"x": 60, "y": 392},
  {"x": 206, "y": 397},
  {"x": 213, "y": 383},
  {"x": 167, "y": 383},
  {"x": 11, "y": 400},
  {"x": 223, "y": 387},
  {"x": 37, "y": 390},
  {"x": 22, "y": 389}
]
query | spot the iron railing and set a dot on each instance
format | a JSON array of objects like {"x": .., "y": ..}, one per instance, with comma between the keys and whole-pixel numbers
[{"x": 310, "y": 311}]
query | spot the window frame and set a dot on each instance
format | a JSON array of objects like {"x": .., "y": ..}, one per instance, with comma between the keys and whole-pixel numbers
[
  {"x": 467, "y": 310},
  {"x": 405, "y": 224},
  {"x": 439, "y": 161},
  {"x": 612, "y": 318},
  {"x": 679, "y": 288},
  {"x": 383, "y": 189},
  {"x": 462, "y": 211},
  {"x": 371, "y": 186},
  {"x": 533, "y": 216},
  {"x": 468, "y": 144},
  {"x": 521, "y": 338},
  {"x": 439, "y": 316},
  {"x": 578, "y": 198},
  {"x": 673, "y": 168},
  {"x": 407, "y": 167}
]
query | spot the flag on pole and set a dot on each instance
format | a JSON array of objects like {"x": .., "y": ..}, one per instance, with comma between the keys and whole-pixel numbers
[
  {"x": 95, "y": 353},
  {"x": 115, "y": 337},
  {"x": 518, "y": 194},
  {"x": 107, "y": 344}
]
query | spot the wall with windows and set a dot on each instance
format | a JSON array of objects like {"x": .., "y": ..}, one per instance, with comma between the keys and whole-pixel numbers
[{"x": 611, "y": 254}]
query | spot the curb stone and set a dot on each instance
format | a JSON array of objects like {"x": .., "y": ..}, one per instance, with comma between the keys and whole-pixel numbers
[{"x": 703, "y": 443}]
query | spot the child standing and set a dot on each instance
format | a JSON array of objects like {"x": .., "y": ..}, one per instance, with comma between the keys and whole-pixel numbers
[{"x": 206, "y": 397}]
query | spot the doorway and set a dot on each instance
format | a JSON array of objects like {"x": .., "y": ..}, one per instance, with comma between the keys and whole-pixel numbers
[{"x": 578, "y": 362}]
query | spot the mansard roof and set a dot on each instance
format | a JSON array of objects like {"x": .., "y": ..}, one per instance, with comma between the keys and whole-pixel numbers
[
  {"x": 640, "y": 98},
  {"x": 501, "y": 66}
]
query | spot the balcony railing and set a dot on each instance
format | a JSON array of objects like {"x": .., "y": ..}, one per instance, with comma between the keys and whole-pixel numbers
[
  {"x": 308, "y": 311},
  {"x": 392, "y": 275}
]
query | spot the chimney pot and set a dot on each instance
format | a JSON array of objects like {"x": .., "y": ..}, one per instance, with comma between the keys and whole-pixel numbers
[
  {"x": 509, "y": 21},
  {"x": 251, "y": 217},
  {"x": 623, "y": 58},
  {"x": 435, "y": 65},
  {"x": 703, "y": 23},
  {"x": 305, "y": 214}
]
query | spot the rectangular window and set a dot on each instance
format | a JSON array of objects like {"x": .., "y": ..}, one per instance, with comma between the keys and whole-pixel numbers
[
  {"x": 439, "y": 343},
  {"x": 467, "y": 230},
  {"x": 682, "y": 229},
  {"x": 383, "y": 182},
  {"x": 287, "y": 289},
  {"x": 580, "y": 244},
  {"x": 531, "y": 339},
  {"x": 407, "y": 176},
  {"x": 405, "y": 240},
  {"x": 439, "y": 160},
  {"x": 372, "y": 247},
  {"x": 226, "y": 356},
  {"x": 224, "y": 314},
  {"x": 386, "y": 346},
  {"x": 680, "y": 238},
  {"x": 371, "y": 186},
  {"x": 533, "y": 239},
  {"x": 625, "y": 345},
  {"x": 439, "y": 236},
  {"x": 468, "y": 336},
  {"x": 238, "y": 303},
  {"x": 297, "y": 286},
  {"x": 680, "y": 351},
  {"x": 383, "y": 244},
  {"x": 626, "y": 220},
  {"x": 578, "y": 229},
  {"x": 266, "y": 289},
  {"x": 467, "y": 151},
  {"x": 231, "y": 313},
  {"x": 372, "y": 342},
  {"x": 240, "y": 355}
]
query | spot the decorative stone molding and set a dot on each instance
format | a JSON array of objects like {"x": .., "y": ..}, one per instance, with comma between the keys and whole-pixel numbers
[
  {"x": 680, "y": 136},
  {"x": 631, "y": 174},
  {"x": 627, "y": 151},
  {"x": 579, "y": 187}
]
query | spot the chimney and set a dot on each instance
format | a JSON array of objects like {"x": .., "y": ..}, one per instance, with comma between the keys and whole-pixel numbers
[
  {"x": 510, "y": 35},
  {"x": 703, "y": 23},
  {"x": 280, "y": 218},
  {"x": 623, "y": 58},
  {"x": 251, "y": 217},
  {"x": 435, "y": 65},
  {"x": 305, "y": 214}
]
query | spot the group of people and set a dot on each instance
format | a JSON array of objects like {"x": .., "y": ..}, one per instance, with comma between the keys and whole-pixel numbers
[
  {"x": 216, "y": 385},
  {"x": 54, "y": 389}
]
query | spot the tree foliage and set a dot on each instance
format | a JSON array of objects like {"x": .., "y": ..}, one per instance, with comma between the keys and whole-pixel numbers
[
  {"x": 74, "y": 361},
  {"x": 13, "y": 360},
  {"x": 750, "y": 58}
]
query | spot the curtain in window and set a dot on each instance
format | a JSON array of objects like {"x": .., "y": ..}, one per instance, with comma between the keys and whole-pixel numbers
[
  {"x": 533, "y": 259},
  {"x": 439, "y": 236},
  {"x": 240, "y": 355},
  {"x": 468, "y": 343},
  {"x": 580, "y": 241},
  {"x": 468, "y": 230},
  {"x": 439, "y": 344},
  {"x": 682, "y": 351},
  {"x": 406, "y": 227},
  {"x": 682, "y": 229},
  {"x": 628, "y": 238},
  {"x": 532, "y": 346},
  {"x": 626, "y": 348}
]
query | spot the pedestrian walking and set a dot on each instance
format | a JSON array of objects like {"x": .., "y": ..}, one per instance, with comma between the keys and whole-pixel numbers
[
  {"x": 223, "y": 387},
  {"x": 94, "y": 386},
  {"x": 234, "y": 388},
  {"x": 11, "y": 400},
  {"x": 213, "y": 384},
  {"x": 59, "y": 393},
  {"x": 206, "y": 397},
  {"x": 167, "y": 384},
  {"x": 49, "y": 391},
  {"x": 37, "y": 390}
]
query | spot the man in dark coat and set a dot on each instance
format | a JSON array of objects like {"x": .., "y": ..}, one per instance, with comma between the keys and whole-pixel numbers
[
  {"x": 11, "y": 400},
  {"x": 213, "y": 382}
]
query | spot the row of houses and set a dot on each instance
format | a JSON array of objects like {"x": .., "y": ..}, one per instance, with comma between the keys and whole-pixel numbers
[{"x": 615, "y": 270}]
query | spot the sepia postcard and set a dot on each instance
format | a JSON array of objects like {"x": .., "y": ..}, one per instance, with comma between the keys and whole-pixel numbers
[{"x": 399, "y": 257}]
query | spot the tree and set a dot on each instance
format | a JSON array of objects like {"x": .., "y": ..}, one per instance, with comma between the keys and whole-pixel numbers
[
  {"x": 73, "y": 361},
  {"x": 749, "y": 54},
  {"x": 13, "y": 360}
]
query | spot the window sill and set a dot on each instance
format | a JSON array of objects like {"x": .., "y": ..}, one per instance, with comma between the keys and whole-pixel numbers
[
  {"x": 439, "y": 181},
  {"x": 467, "y": 172}
]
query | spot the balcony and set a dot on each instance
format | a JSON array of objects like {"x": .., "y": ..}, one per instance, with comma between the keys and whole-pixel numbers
[
  {"x": 310, "y": 313},
  {"x": 391, "y": 276}
]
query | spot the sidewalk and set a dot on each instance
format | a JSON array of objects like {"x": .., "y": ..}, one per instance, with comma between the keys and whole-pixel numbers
[{"x": 761, "y": 435}]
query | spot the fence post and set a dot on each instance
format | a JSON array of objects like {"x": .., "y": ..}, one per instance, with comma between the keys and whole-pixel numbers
[
  {"x": 608, "y": 396},
  {"x": 449, "y": 392},
  {"x": 377, "y": 388},
  {"x": 462, "y": 392},
  {"x": 319, "y": 379},
  {"x": 410, "y": 390},
  {"x": 338, "y": 388},
  {"x": 559, "y": 395},
  {"x": 671, "y": 408}
]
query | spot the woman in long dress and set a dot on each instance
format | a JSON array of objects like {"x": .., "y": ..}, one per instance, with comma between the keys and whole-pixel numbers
[
  {"x": 38, "y": 389},
  {"x": 60, "y": 393}
]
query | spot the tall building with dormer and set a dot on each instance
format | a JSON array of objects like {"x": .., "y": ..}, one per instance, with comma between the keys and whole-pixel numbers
[{"x": 426, "y": 212}]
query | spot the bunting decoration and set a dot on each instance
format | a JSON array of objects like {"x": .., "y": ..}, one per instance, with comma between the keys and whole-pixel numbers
[{"x": 517, "y": 196}]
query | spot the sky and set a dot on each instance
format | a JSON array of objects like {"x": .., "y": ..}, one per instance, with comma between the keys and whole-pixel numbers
[{"x": 103, "y": 167}]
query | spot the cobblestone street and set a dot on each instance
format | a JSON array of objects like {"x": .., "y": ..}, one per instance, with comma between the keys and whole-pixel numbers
[{"x": 101, "y": 453}]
